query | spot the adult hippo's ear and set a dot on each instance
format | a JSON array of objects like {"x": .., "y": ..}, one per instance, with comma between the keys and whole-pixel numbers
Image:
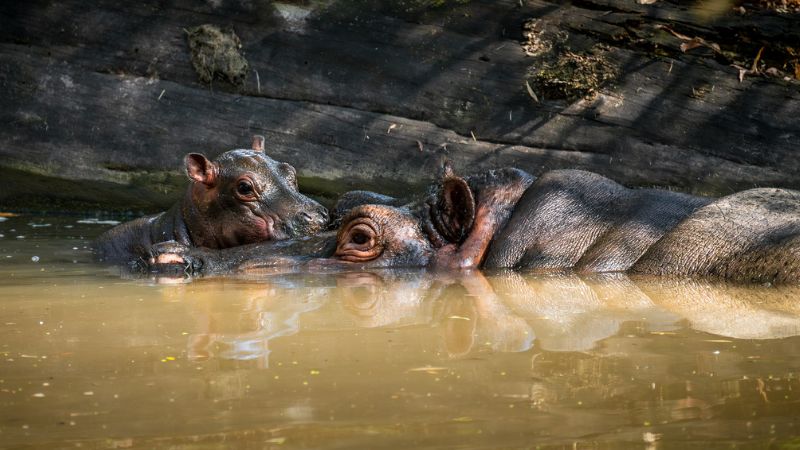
[
  {"x": 453, "y": 212},
  {"x": 200, "y": 169}
]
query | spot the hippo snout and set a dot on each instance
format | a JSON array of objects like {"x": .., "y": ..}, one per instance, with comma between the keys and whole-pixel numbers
[{"x": 310, "y": 221}]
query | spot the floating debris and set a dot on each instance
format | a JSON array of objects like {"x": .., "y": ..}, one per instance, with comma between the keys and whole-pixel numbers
[
  {"x": 651, "y": 437},
  {"x": 428, "y": 369},
  {"x": 99, "y": 222}
]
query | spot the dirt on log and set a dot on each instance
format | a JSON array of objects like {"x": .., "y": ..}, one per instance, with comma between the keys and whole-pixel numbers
[{"x": 359, "y": 94}]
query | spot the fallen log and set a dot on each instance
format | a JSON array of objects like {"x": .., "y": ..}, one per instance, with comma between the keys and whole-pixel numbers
[{"x": 374, "y": 99}]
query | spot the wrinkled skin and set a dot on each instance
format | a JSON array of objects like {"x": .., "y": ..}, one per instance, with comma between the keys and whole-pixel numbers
[
  {"x": 240, "y": 198},
  {"x": 571, "y": 220},
  {"x": 349, "y": 200}
]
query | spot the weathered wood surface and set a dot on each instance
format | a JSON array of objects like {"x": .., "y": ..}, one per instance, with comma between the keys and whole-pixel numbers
[{"x": 358, "y": 98}]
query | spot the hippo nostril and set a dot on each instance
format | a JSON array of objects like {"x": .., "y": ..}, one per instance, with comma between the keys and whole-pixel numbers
[
  {"x": 310, "y": 220},
  {"x": 304, "y": 217}
]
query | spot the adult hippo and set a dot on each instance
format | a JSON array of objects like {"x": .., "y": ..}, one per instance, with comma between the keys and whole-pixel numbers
[
  {"x": 566, "y": 220},
  {"x": 242, "y": 197}
]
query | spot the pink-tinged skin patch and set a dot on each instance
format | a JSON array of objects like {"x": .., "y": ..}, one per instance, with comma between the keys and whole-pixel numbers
[
  {"x": 169, "y": 258},
  {"x": 265, "y": 228}
]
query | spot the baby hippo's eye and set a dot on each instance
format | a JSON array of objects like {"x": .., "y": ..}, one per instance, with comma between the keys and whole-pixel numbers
[{"x": 245, "y": 190}]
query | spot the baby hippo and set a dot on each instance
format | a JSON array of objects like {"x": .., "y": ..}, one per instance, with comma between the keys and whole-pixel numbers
[
  {"x": 566, "y": 220},
  {"x": 242, "y": 197}
]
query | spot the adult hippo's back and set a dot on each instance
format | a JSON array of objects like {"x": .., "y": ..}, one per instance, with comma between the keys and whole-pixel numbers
[
  {"x": 570, "y": 219},
  {"x": 584, "y": 221},
  {"x": 752, "y": 235}
]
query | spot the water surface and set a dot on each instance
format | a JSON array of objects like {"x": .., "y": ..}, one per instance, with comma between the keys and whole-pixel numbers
[{"x": 93, "y": 358}]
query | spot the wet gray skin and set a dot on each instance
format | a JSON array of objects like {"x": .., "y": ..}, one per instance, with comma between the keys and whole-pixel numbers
[
  {"x": 567, "y": 220},
  {"x": 242, "y": 197}
]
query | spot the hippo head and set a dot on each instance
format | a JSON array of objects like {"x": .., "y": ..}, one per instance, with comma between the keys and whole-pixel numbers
[
  {"x": 451, "y": 228},
  {"x": 382, "y": 236},
  {"x": 243, "y": 197}
]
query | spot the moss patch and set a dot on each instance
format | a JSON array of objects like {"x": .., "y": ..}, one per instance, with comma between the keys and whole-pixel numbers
[
  {"x": 25, "y": 191},
  {"x": 558, "y": 72},
  {"x": 571, "y": 75},
  {"x": 216, "y": 54}
]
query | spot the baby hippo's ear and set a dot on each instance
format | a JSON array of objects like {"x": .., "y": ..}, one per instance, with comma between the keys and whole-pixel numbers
[
  {"x": 454, "y": 211},
  {"x": 200, "y": 169},
  {"x": 258, "y": 143}
]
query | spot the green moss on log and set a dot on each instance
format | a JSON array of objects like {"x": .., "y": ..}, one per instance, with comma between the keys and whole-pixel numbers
[{"x": 216, "y": 54}]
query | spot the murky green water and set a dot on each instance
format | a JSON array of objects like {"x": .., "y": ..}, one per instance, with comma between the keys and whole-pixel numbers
[{"x": 384, "y": 359}]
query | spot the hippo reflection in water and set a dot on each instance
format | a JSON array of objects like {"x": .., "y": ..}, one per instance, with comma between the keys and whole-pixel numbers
[
  {"x": 566, "y": 220},
  {"x": 470, "y": 313}
]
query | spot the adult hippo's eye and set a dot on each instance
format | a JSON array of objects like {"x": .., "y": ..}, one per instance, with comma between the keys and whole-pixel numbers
[
  {"x": 359, "y": 238},
  {"x": 358, "y": 241},
  {"x": 245, "y": 190}
]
